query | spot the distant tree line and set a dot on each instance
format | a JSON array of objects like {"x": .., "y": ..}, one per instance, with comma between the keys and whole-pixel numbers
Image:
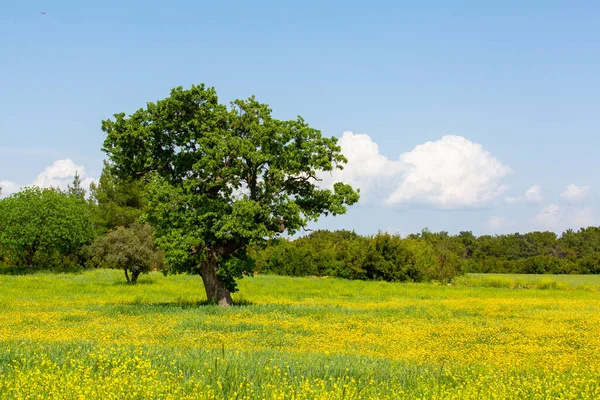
[
  {"x": 61, "y": 230},
  {"x": 431, "y": 256},
  {"x": 573, "y": 252},
  {"x": 346, "y": 254}
]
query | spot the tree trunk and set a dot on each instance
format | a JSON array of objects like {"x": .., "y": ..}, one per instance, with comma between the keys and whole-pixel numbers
[
  {"x": 29, "y": 259},
  {"x": 134, "y": 276},
  {"x": 216, "y": 292},
  {"x": 126, "y": 275}
]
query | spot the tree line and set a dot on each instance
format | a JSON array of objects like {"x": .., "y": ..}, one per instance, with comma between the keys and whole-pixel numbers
[
  {"x": 66, "y": 230},
  {"x": 431, "y": 255}
]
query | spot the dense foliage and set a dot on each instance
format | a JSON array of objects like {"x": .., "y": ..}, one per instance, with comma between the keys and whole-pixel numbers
[
  {"x": 117, "y": 202},
  {"x": 427, "y": 255},
  {"x": 62, "y": 230},
  {"x": 348, "y": 255},
  {"x": 45, "y": 227},
  {"x": 573, "y": 252}
]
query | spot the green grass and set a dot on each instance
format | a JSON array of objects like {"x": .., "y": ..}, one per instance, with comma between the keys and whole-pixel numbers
[
  {"x": 508, "y": 336},
  {"x": 586, "y": 282}
]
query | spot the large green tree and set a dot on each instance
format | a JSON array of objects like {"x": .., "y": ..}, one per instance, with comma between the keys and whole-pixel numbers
[{"x": 220, "y": 179}]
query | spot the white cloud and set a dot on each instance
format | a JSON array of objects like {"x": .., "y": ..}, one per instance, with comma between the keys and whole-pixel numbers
[
  {"x": 367, "y": 169},
  {"x": 583, "y": 217},
  {"x": 8, "y": 187},
  {"x": 550, "y": 215},
  {"x": 512, "y": 200},
  {"x": 498, "y": 223},
  {"x": 574, "y": 193},
  {"x": 452, "y": 172},
  {"x": 534, "y": 195},
  {"x": 559, "y": 219},
  {"x": 59, "y": 175}
]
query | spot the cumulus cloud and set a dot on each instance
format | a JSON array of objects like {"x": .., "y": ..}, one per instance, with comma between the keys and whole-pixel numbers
[
  {"x": 574, "y": 193},
  {"x": 558, "y": 218},
  {"x": 534, "y": 195},
  {"x": 367, "y": 169},
  {"x": 59, "y": 175},
  {"x": 452, "y": 172}
]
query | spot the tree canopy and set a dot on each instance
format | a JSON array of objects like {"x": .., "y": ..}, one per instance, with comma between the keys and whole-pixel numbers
[
  {"x": 131, "y": 249},
  {"x": 430, "y": 255},
  {"x": 219, "y": 179},
  {"x": 42, "y": 227}
]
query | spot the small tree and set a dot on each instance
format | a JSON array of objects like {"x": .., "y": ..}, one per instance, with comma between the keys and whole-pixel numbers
[
  {"x": 221, "y": 179},
  {"x": 75, "y": 189},
  {"x": 131, "y": 249}
]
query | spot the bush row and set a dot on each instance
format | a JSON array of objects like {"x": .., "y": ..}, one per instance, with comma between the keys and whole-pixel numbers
[
  {"x": 348, "y": 255},
  {"x": 428, "y": 255}
]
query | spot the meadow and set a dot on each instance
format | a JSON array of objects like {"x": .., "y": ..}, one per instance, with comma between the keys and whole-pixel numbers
[{"x": 91, "y": 336}]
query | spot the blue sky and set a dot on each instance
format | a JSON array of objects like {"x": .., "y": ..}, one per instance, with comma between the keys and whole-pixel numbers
[{"x": 457, "y": 108}]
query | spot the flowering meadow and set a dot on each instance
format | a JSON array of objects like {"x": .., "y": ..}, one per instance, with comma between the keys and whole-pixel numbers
[{"x": 91, "y": 336}]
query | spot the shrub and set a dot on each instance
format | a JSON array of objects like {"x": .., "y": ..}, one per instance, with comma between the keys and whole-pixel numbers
[{"x": 131, "y": 249}]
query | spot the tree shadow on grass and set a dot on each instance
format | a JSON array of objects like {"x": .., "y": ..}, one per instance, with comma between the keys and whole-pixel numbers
[
  {"x": 139, "y": 305},
  {"x": 141, "y": 282},
  {"x": 140, "y": 308},
  {"x": 196, "y": 303}
]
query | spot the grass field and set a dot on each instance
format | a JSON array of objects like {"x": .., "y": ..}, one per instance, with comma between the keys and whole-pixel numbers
[
  {"x": 91, "y": 336},
  {"x": 531, "y": 281}
]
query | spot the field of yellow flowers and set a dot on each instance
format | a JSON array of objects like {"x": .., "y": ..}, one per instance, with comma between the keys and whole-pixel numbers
[{"x": 90, "y": 336}]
